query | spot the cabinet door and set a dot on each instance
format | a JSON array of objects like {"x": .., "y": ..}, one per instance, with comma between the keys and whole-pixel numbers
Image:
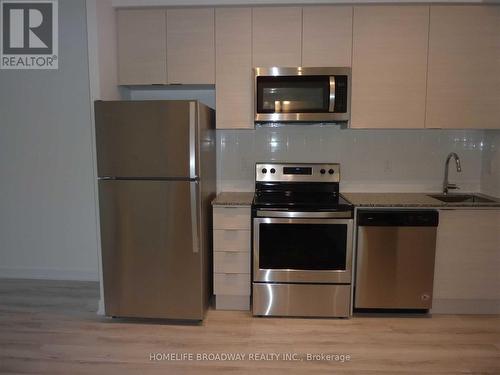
[
  {"x": 389, "y": 66},
  {"x": 234, "y": 77},
  {"x": 142, "y": 44},
  {"x": 191, "y": 46},
  {"x": 277, "y": 34},
  {"x": 466, "y": 273},
  {"x": 464, "y": 67},
  {"x": 326, "y": 36}
]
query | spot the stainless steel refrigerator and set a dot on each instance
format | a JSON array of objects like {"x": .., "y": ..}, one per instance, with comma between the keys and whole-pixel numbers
[{"x": 156, "y": 169}]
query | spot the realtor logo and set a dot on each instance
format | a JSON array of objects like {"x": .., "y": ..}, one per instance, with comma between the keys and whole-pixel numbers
[{"x": 29, "y": 37}]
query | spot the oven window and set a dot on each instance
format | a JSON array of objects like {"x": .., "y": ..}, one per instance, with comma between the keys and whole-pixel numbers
[
  {"x": 293, "y": 94},
  {"x": 303, "y": 246}
]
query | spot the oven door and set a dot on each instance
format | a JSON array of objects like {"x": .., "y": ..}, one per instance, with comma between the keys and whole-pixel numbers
[{"x": 302, "y": 250}]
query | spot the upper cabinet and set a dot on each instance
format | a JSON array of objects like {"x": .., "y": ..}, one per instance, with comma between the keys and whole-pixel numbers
[
  {"x": 191, "y": 46},
  {"x": 326, "y": 36},
  {"x": 142, "y": 47},
  {"x": 234, "y": 78},
  {"x": 413, "y": 66},
  {"x": 174, "y": 46},
  {"x": 389, "y": 66},
  {"x": 464, "y": 67},
  {"x": 277, "y": 36}
]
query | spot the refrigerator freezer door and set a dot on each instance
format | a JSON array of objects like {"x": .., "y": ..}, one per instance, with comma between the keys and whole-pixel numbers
[
  {"x": 151, "y": 267},
  {"x": 147, "y": 139}
]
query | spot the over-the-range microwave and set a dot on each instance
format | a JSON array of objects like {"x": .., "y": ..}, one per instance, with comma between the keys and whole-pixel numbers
[{"x": 302, "y": 94}]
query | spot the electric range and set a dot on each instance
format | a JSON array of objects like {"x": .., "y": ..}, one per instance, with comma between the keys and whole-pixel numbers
[{"x": 302, "y": 231}]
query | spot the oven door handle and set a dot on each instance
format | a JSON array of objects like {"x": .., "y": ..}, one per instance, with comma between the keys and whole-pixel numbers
[{"x": 302, "y": 214}]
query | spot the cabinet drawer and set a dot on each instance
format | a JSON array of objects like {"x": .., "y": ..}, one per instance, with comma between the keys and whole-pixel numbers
[
  {"x": 232, "y": 218},
  {"x": 232, "y": 284},
  {"x": 231, "y": 240},
  {"x": 231, "y": 262},
  {"x": 223, "y": 302}
]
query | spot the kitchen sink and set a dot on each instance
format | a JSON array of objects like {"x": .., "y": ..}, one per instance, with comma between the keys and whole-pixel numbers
[{"x": 461, "y": 198}]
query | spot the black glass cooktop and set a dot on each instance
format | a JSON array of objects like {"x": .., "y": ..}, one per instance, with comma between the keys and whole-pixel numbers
[{"x": 305, "y": 201}]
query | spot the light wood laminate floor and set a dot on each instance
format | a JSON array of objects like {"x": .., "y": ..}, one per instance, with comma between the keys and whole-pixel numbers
[{"x": 50, "y": 327}]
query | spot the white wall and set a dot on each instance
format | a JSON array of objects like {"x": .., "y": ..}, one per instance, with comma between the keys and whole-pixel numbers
[{"x": 47, "y": 210}]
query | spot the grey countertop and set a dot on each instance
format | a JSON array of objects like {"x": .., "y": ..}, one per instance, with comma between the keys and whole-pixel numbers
[
  {"x": 233, "y": 199},
  {"x": 410, "y": 200},
  {"x": 367, "y": 200}
]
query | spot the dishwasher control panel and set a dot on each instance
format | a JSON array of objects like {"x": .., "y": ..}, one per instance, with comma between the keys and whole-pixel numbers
[{"x": 399, "y": 218}]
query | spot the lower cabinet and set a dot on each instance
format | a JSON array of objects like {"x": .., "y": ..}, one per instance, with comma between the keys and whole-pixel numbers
[
  {"x": 467, "y": 268},
  {"x": 232, "y": 281}
]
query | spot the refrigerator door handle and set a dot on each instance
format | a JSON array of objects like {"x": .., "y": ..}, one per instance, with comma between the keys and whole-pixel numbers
[
  {"x": 194, "y": 215},
  {"x": 192, "y": 140}
]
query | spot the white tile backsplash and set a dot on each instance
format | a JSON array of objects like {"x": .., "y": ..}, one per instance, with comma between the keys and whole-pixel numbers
[
  {"x": 490, "y": 173},
  {"x": 371, "y": 160}
]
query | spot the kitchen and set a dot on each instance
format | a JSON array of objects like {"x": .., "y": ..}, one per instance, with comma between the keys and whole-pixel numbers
[{"x": 410, "y": 107}]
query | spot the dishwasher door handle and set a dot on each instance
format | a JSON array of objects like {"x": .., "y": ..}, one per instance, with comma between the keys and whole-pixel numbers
[{"x": 398, "y": 218}]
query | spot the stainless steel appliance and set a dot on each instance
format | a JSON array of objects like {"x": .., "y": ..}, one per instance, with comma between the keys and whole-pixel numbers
[
  {"x": 302, "y": 94},
  {"x": 395, "y": 259},
  {"x": 156, "y": 168},
  {"x": 302, "y": 241}
]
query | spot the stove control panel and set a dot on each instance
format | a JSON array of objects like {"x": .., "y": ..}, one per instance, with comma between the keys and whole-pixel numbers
[{"x": 290, "y": 172}]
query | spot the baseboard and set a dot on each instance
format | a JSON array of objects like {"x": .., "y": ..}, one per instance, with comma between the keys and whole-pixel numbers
[
  {"x": 49, "y": 274},
  {"x": 465, "y": 306}
]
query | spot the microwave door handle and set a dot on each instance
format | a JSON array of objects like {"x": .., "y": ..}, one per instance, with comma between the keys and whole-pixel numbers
[{"x": 331, "y": 107}]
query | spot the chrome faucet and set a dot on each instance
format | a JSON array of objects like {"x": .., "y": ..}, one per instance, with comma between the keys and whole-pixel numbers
[{"x": 446, "y": 184}]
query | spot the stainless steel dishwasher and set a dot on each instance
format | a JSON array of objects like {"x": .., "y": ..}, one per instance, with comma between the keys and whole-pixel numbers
[{"x": 395, "y": 259}]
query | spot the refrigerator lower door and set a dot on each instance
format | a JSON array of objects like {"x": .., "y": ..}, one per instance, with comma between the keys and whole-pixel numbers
[{"x": 152, "y": 263}]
